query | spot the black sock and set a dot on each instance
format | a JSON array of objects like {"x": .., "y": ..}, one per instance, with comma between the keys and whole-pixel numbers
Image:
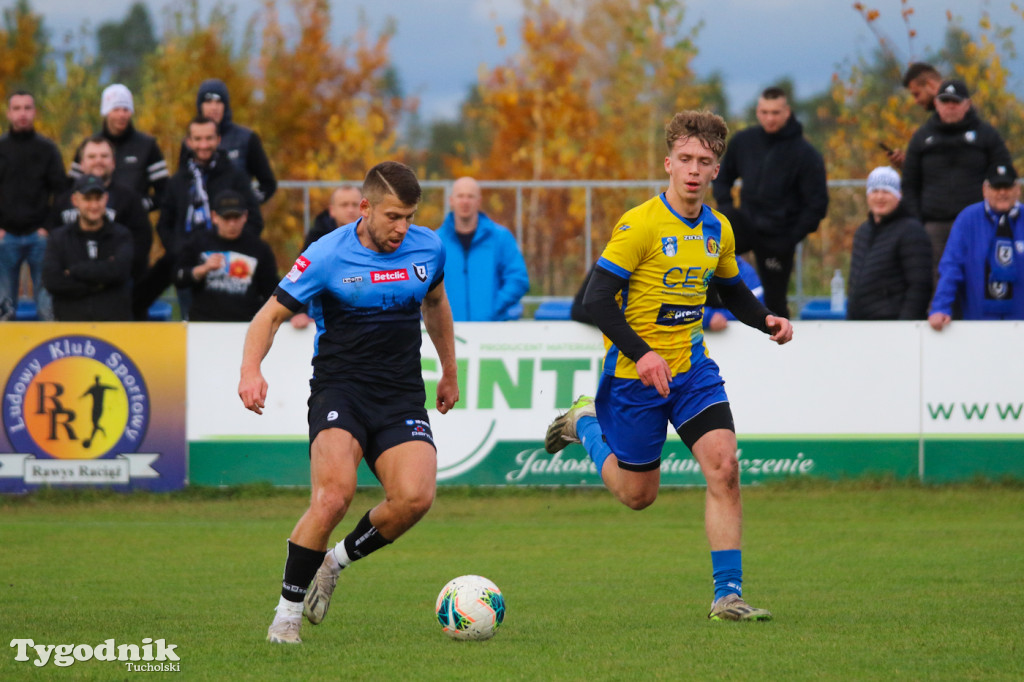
[
  {"x": 299, "y": 570},
  {"x": 364, "y": 539}
]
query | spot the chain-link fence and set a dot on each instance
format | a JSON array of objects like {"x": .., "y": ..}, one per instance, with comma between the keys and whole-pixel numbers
[{"x": 561, "y": 225}]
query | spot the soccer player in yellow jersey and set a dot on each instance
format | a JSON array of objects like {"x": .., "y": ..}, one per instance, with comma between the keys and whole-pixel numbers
[{"x": 647, "y": 295}]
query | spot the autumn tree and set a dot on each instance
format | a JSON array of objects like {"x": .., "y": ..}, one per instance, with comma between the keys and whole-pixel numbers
[
  {"x": 326, "y": 112},
  {"x": 23, "y": 42},
  {"x": 124, "y": 45},
  {"x": 587, "y": 97}
]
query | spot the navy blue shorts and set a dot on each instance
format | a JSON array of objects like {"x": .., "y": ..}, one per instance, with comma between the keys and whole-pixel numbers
[
  {"x": 376, "y": 426},
  {"x": 634, "y": 417}
]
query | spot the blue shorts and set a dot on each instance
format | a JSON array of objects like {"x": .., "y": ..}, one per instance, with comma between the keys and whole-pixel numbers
[{"x": 633, "y": 416}]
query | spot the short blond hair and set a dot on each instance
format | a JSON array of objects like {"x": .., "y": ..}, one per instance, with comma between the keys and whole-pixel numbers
[{"x": 707, "y": 127}]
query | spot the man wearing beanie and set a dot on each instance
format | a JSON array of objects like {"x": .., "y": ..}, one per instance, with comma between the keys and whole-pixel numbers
[
  {"x": 982, "y": 267},
  {"x": 243, "y": 145},
  {"x": 138, "y": 161},
  {"x": 890, "y": 268},
  {"x": 947, "y": 159}
]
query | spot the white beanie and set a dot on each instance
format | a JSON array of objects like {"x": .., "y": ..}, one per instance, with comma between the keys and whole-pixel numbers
[
  {"x": 115, "y": 96},
  {"x": 885, "y": 178}
]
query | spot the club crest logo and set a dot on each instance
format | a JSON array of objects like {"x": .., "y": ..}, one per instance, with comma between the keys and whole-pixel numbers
[
  {"x": 75, "y": 398},
  {"x": 1004, "y": 253},
  {"x": 669, "y": 246},
  {"x": 711, "y": 246},
  {"x": 998, "y": 290},
  {"x": 421, "y": 271}
]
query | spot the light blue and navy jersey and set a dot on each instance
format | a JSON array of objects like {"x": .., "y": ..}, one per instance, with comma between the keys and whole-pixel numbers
[{"x": 366, "y": 306}]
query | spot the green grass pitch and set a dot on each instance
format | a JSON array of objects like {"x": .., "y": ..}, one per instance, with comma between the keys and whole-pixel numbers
[{"x": 868, "y": 581}]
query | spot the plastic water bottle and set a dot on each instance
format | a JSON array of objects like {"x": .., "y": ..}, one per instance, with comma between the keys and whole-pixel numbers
[{"x": 838, "y": 292}]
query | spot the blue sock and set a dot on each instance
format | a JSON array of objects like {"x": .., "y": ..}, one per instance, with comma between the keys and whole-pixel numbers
[
  {"x": 590, "y": 434},
  {"x": 727, "y": 568}
]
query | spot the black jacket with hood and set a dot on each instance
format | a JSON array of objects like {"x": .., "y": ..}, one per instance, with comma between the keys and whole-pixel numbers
[
  {"x": 784, "y": 194},
  {"x": 243, "y": 146}
]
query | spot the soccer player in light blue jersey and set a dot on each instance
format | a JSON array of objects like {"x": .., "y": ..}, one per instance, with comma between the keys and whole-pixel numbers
[{"x": 365, "y": 286}]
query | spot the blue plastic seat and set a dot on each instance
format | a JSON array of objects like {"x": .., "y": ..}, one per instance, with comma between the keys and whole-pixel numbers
[
  {"x": 160, "y": 311},
  {"x": 515, "y": 312},
  {"x": 26, "y": 310},
  {"x": 821, "y": 309},
  {"x": 554, "y": 309}
]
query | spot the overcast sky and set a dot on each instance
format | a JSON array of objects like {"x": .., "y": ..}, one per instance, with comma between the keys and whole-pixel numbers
[{"x": 440, "y": 44}]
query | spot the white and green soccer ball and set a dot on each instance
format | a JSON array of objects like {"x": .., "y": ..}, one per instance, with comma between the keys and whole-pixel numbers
[{"x": 470, "y": 607}]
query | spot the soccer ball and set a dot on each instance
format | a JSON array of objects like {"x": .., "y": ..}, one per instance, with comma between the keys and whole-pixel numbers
[{"x": 470, "y": 607}]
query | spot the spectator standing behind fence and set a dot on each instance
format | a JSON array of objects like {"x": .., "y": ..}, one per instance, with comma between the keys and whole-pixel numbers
[
  {"x": 343, "y": 210},
  {"x": 783, "y": 197},
  {"x": 230, "y": 270},
  {"x": 124, "y": 206},
  {"x": 31, "y": 174},
  {"x": 205, "y": 173},
  {"x": 983, "y": 264},
  {"x": 923, "y": 81},
  {"x": 88, "y": 263},
  {"x": 947, "y": 160},
  {"x": 485, "y": 273},
  {"x": 138, "y": 161},
  {"x": 891, "y": 264},
  {"x": 243, "y": 146}
]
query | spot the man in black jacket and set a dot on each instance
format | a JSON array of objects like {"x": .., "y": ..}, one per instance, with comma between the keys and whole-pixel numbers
[
  {"x": 31, "y": 174},
  {"x": 783, "y": 197},
  {"x": 139, "y": 163},
  {"x": 947, "y": 161},
  {"x": 87, "y": 267},
  {"x": 205, "y": 173},
  {"x": 230, "y": 270},
  {"x": 891, "y": 264},
  {"x": 124, "y": 205},
  {"x": 243, "y": 145}
]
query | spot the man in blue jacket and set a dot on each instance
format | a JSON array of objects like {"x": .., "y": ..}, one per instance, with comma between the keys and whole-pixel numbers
[
  {"x": 485, "y": 274},
  {"x": 983, "y": 263}
]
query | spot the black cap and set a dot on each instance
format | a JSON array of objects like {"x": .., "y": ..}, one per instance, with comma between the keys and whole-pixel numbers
[
  {"x": 953, "y": 90},
  {"x": 90, "y": 184},
  {"x": 1001, "y": 176},
  {"x": 229, "y": 203}
]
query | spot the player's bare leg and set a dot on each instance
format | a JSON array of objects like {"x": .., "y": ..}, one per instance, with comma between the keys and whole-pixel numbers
[
  {"x": 635, "y": 489},
  {"x": 334, "y": 457},
  {"x": 715, "y": 451},
  {"x": 407, "y": 473}
]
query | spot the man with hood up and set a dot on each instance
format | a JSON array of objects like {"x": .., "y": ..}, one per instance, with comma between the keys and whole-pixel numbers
[
  {"x": 783, "y": 197},
  {"x": 243, "y": 145}
]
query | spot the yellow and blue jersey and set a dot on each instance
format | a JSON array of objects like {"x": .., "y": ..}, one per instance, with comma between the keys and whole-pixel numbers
[{"x": 668, "y": 262}]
